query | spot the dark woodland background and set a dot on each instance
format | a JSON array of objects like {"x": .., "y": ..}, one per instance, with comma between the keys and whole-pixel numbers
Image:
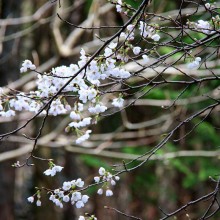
[{"x": 164, "y": 182}]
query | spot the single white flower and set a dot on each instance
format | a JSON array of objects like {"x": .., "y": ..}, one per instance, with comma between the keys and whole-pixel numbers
[
  {"x": 58, "y": 203},
  {"x": 83, "y": 137},
  {"x": 67, "y": 186},
  {"x": 85, "y": 198},
  {"x": 118, "y": 102},
  {"x": 207, "y": 5},
  {"x": 57, "y": 168},
  {"x": 136, "y": 50},
  {"x": 38, "y": 203},
  {"x": 52, "y": 197},
  {"x": 113, "y": 182},
  {"x": 79, "y": 204},
  {"x": 97, "y": 179},
  {"x": 145, "y": 59},
  {"x": 79, "y": 182},
  {"x": 108, "y": 52},
  {"x": 112, "y": 45},
  {"x": 76, "y": 196},
  {"x": 117, "y": 178},
  {"x": 118, "y": 8},
  {"x": 198, "y": 59},
  {"x": 30, "y": 199},
  {"x": 66, "y": 198},
  {"x": 101, "y": 171},
  {"x": 100, "y": 191},
  {"x": 155, "y": 37},
  {"x": 123, "y": 35},
  {"x": 74, "y": 115},
  {"x": 50, "y": 172},
  {"x": 194, "y": 64},
  {"x": 108, "y": 192}
]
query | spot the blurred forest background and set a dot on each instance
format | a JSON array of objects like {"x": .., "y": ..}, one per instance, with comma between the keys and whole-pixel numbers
[{"x": 177, "y": 174}]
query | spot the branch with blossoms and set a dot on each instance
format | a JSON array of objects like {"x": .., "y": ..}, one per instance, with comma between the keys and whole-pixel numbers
[{"x": 98, "y": 84}]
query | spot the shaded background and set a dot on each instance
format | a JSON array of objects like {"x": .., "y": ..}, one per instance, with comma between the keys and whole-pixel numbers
[{"x": 38, "y": 34}]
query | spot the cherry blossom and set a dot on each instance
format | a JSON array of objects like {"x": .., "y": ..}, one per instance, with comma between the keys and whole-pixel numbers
[
  {"x": 30, "y": 199},
  {"x": 118, "y": 102},
  {"x": 194, "y": 64},
  {"x": 27, "y": 64}
]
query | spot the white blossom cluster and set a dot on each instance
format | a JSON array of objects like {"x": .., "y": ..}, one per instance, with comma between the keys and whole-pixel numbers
[
  {"x": 22, "y": 102},
  {"x": 70, "y": 190},
  {"x": 209, "y": 6},
  {"x": 8, "y": 113},
  {"x": 69, "y": 193},
  {"x": 53, "y": 170},
  {"x": 129, "y": 33},
  {"x": 84, "y": 86},
  {"x": 204, "y": 26},
  {"x": 98, "y": 108},
  {"x": 108, "y": 179},
  {"x": 148, "y": 31},
  {"x": 96, "y": 71},
  {"x": 119, "y": 5},
  {"x": 19, "y": 103},
  {"x": 27, "y": 65}
]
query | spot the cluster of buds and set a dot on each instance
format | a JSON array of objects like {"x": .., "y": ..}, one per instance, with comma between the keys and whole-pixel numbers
[
  {"x": 32, "y": 198},
  {"x": 69, "y": 193},
  {"x": 108, "y": 180}
]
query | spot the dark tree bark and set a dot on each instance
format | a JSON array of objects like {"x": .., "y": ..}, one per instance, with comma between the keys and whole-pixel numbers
[{"x": 9, "y": 57}]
